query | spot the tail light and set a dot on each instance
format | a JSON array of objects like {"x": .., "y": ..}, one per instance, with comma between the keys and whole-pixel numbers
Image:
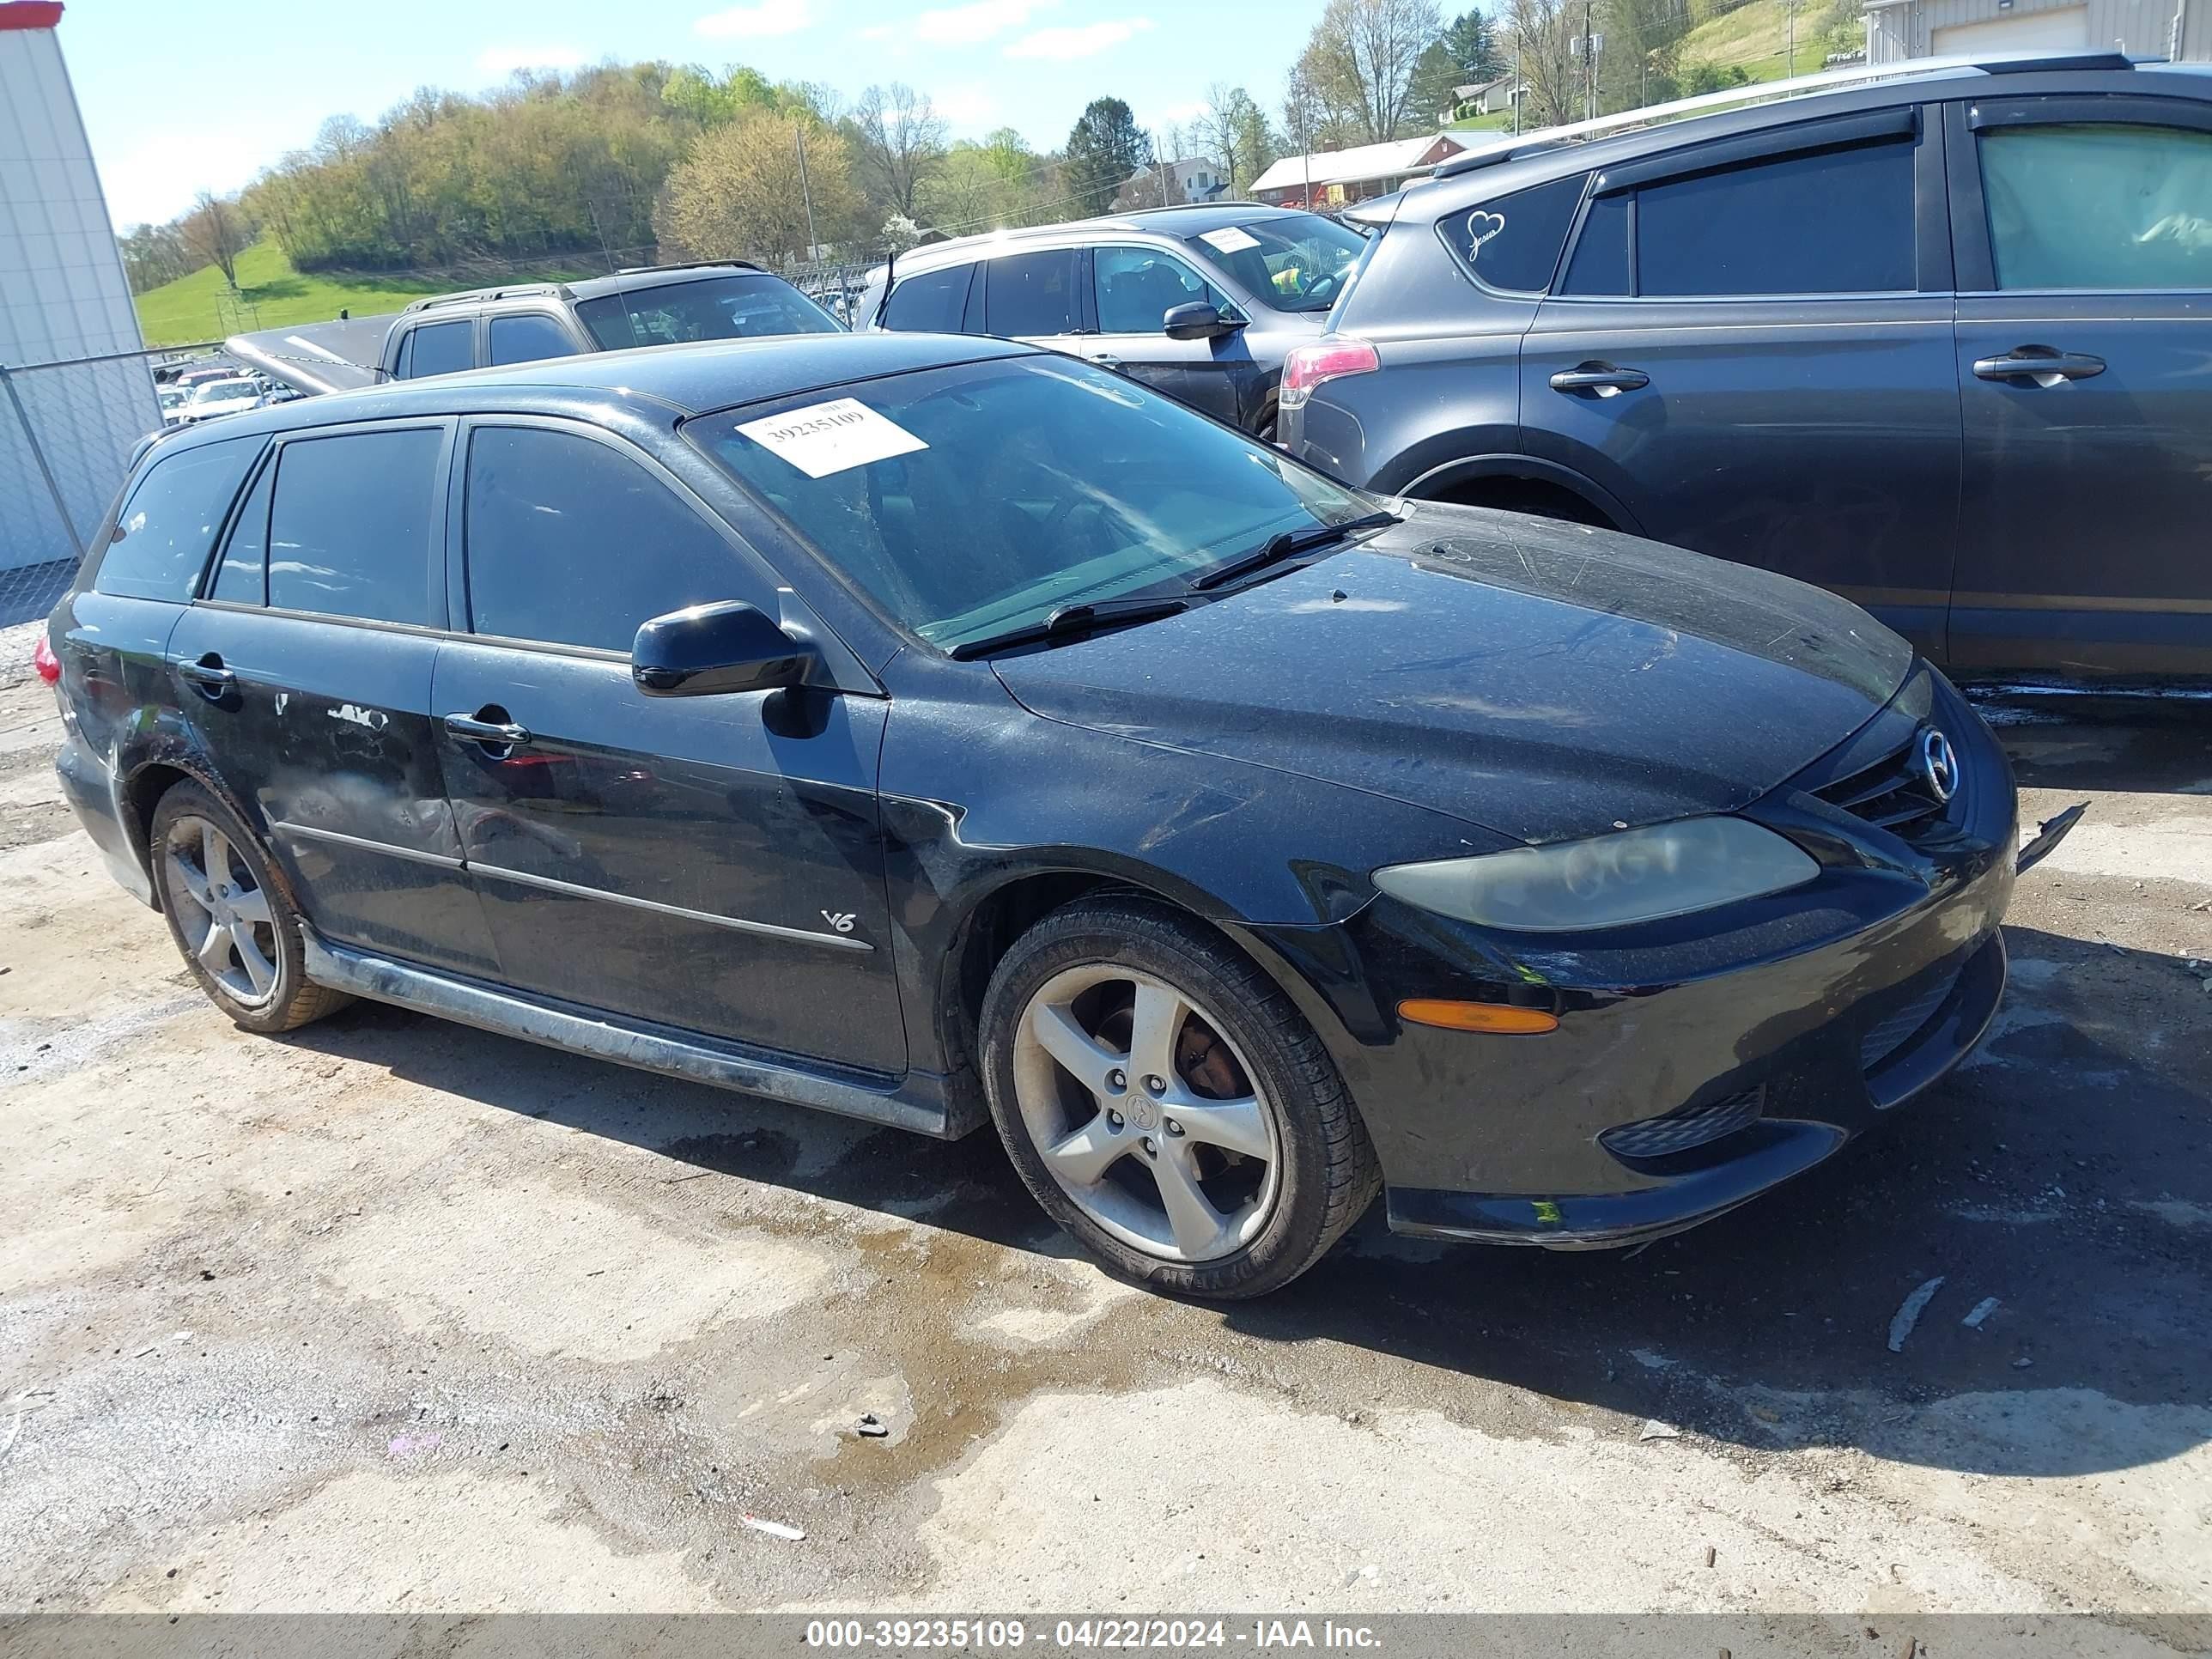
[
  {"x": 48, "y": 665},
  {"x": 1330, "y": 358}
]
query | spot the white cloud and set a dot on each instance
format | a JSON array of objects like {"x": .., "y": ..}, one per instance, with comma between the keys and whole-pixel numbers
[
  {"x": 1064, "y": 46},
  {"x": 968, "y": 25},
  {"x": 966, "y": 106},
  {"x": 759, "y": 21},
  {"x": 500, "y": 62},
  {"x": 157, "y": 180}
]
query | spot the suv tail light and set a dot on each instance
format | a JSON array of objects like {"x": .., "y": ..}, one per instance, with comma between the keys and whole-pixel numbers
[
  {"x": 1329, "y": 358},
  {"x": 48, "y": 665}
]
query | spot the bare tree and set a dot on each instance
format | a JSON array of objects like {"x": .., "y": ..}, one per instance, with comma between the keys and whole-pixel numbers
[
  {"x": 901, "y": 139},
  {"x": 1359, "y": 62},
  {"x": 1541, "y": 37},
  {"x": 1234, "y": 131},
  {"x": 215, "y": 234}
]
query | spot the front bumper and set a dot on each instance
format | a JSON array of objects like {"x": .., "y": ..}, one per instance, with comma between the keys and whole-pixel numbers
[{"x": 1795, "y": 1021}]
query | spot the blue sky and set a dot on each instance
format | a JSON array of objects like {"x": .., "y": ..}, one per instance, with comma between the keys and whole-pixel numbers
[{"x": 177, "y": 96}]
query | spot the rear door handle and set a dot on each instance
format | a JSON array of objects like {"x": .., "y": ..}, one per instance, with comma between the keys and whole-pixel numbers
[
  {"x": 208, "y": 674},
  {"x": 503, "y": 734},
  {"x": 2039, "y": 365},
  {"x": 1603, "y": 380}
]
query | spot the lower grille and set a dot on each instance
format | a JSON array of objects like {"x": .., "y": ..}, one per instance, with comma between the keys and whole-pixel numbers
[
  {"x": 1685, "y": 1127},
  {"x": 1901, "y": 1025},
  {"x": 1892, "y": 795}
]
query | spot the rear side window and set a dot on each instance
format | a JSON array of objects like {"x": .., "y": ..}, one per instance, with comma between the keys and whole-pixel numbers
[
  {"x": 930, "y": 303},
  {"x": 2099, "y": 207},
  {"x": 242, "y": 578},
  {"x": 167, "y": 528},
  {"x": 1514, "y": 242},
  {"x": 440, "y": 349},
  {"x": 1031, "y": 293},
  {"x": 528, "y": 336},
  {"x": 1833, "y": 221},
  {"x": 571, "y": 542},
  {"x": 1601, "y": 263},
  {"x": 350, "y": 533}
]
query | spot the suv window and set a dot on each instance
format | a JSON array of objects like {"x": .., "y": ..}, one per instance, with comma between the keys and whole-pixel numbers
[
  {"x": 1831, "y": 221},
  {"x": 2099, "y": 207},
  {"x": 163, "y": 535},
  {"x": 350, "y": 533},
  {"x": 931, "y": 302},
  {"x": 570, "y": 542},
  {"x": 528, "y": 336},
  {"x": 1027, "y": 294},
  {"x": 439, "y": 348},
  {"x": 741, "y": 307},
  {"x": 1514, "y": 242},
  {"x": 1136, "y": 287}
]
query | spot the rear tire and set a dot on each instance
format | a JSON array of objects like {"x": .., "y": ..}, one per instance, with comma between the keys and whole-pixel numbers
[
  {"x": 1166, "y": 1103},
  {"x": 238, "y": 933}
]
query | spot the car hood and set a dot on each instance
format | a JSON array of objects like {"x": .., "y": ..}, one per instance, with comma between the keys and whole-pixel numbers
[{"x": 1543, "y": 680}]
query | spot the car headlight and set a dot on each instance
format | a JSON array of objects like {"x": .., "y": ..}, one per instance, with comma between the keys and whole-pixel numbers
[{"x": 1608, "y": 881}]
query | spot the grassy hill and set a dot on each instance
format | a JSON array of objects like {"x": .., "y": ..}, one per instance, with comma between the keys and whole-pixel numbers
[
  {"x": 273, "y": 294},
  {"x": 1755, "y": 35}
]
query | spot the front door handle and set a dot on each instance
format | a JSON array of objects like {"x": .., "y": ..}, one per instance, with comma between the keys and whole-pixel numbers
[
  {"x": 499, "y": 733},
  {"x": 1601, "y": 379},
  {"x": 208, "y": 674},
  {"x": 2039, "y": 365}
]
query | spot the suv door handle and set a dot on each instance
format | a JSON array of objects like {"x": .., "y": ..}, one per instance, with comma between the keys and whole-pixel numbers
[
  {"x": 1602, "y": 378},
  {"x": 2039, "y": 365},
  {"x": 503, "y": 734},
  {"x": 208, "y": 674}
]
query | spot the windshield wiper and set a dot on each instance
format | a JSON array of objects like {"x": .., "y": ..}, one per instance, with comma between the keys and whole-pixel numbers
[
  {"x": 1285, "y": 545},
  {"x": 1070, "y": 620}
]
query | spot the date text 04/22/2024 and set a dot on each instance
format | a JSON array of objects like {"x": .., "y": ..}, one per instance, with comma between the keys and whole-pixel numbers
[{"x": 1012, "y": 1634}]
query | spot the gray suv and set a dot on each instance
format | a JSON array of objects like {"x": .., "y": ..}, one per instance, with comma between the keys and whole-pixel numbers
[
  {"x": 1942, "y": 344},
  {"x": 1200, "y": 302}
]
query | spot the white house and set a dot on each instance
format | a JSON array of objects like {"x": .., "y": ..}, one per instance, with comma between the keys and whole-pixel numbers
[{"x": 1193, "y": 178}]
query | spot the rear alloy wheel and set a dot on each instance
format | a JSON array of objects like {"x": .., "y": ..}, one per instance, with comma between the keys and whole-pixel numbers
[
  {"x": 238, "y": 933},
  {"x": 1167, "y": 1105}
]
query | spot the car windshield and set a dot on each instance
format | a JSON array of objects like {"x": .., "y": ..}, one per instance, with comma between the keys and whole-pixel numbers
[
  {"x": 973, "y": 500},
  {"x": 1295, "y": 262},
  {"x": 712, "y": 308},
  {"x": 223, "y": 392}
]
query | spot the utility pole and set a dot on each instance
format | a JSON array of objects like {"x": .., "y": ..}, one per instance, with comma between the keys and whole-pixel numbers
[
  {"x": 1513, "y": 97},
  {"x": 1790, "y": 9},
  {"x": 1589, "y": 68},
  {"x": 805, "y": 192}
]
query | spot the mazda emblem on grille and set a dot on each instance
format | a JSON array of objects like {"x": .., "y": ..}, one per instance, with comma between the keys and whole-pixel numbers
[{"x": 1938, "y": 765}]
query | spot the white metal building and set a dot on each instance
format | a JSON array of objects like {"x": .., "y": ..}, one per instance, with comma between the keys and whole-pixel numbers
[
  {"x": 63, "y": 296},
  {"x": 1899, "y": 29}
]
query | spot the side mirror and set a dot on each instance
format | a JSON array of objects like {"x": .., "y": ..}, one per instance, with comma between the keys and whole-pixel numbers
[
  {"x": 1197, "y": 321},
  {"x": 714, "y": 648}
]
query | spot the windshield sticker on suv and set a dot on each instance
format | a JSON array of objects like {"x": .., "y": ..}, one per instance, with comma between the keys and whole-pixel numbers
[
  {"x": 833, "y": 437},
  {"x": 1480, "y": 227},
  {"x": 1229, "y": 239}
]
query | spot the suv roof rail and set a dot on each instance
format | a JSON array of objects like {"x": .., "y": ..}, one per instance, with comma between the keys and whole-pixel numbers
[
  {"x": 471, "y": 296},
  {"x": 1764, "y": 92},
  {"x": 689, "y": 265}
]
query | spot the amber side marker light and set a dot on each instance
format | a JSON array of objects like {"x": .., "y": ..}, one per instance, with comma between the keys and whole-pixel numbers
[{"x": 1494, "y": 1017}]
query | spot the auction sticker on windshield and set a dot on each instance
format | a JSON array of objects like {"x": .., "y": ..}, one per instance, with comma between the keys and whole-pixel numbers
[
  {"x": 833, "y": 437},
  {"x": 1229, "y": 239}
]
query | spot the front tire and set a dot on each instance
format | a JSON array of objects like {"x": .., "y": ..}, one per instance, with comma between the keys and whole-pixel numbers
[
  {"x": 238, "y": 934},
  {"x": 1165, "y": 1103}
]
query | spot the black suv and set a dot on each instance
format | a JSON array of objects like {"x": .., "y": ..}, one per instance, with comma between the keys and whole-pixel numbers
[
  {"x": 657, "y": 305},
  {"x": 1942, "y": 344}
]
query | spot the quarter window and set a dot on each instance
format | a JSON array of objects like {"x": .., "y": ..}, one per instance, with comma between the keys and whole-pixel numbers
[
  {"x": 1833, "y": 222},
  {"x": 571, "y": 542},
  {"x": 440, "y": 349},
  {"x": 350, "y": 531},
  {"x": 1029, "y": 295},
  {"x": 166, "y": 529},
  {"x": 1513, "y": 242},
  {"x": 931, "y": 302},
  {"x": 242, "y": 578},
  {"x": 1136, "y": 287},
  {"x": 2099, "y": 207},
  {"x": 527, "y": 337}
]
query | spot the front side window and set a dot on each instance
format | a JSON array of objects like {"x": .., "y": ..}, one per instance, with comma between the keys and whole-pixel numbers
[
  {"x": 440, "y": 349},
  {"x": 1831, "y": 221},
  {"x": 528, "y": 336},
  {"x": 1295, "y": 262},
  {"x": 163, "y": 535},
  {"x": 931, "y": 302},
  {"x": 349, "y": 532},
  {"x": 973, "y": 500},
  {"x": 1026, "y": 295},
  {"x": 1514, "y": 241},
  {"x": 739, "y": 307},
  {"x": 2099, "y": 207},
  {"x": 1136, "y": 287},
  {"x": 570, "y": 542}
]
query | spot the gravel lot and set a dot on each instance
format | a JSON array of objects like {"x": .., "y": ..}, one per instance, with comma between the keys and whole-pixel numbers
[{"x": 391, "y": 1315}]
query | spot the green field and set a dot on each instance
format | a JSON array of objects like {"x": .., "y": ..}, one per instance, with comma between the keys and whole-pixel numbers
[
  {"x": 1756, "y": 35},
  {"x": 1496, "y": 121},
  {"x": 271, "y": 294}
]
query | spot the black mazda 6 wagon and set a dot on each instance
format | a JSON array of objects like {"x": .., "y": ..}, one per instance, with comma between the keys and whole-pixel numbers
[{"x": 934, "y": 729}]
